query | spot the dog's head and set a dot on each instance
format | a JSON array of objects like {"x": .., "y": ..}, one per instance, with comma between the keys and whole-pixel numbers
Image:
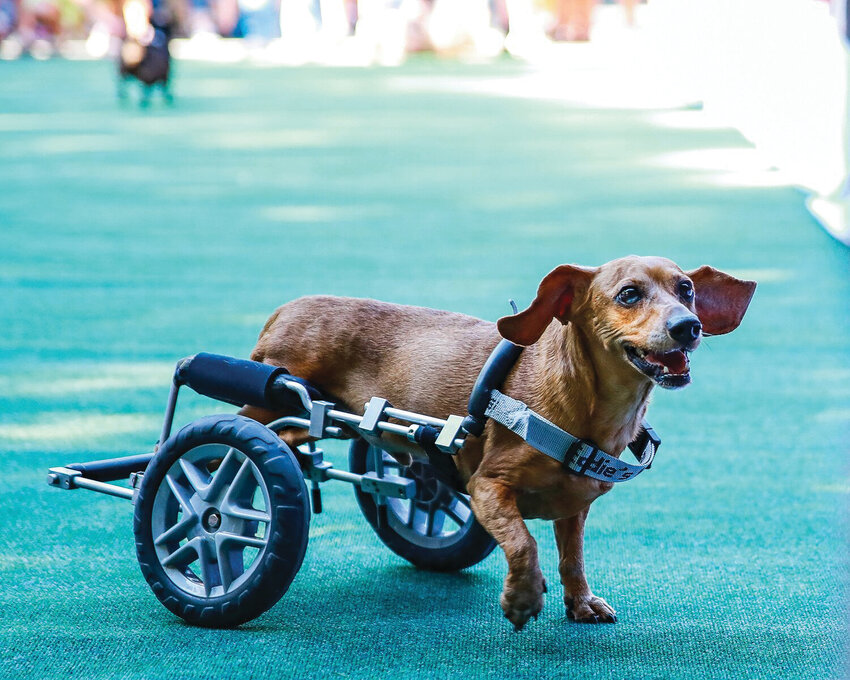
[{"x": 644, "y": 312}]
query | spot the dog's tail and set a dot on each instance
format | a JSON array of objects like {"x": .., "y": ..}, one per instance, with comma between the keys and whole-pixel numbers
[{"x": 259, "y": 353}]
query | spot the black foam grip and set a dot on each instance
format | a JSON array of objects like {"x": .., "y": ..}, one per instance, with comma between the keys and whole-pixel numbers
[{"x": 236, "y": 381}]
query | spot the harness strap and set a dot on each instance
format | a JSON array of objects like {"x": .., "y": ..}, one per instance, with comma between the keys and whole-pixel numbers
[{"x": 577, "y": 455}]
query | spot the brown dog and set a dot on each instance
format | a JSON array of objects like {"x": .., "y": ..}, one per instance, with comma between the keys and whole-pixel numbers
[{"x": 598, "y": 340}]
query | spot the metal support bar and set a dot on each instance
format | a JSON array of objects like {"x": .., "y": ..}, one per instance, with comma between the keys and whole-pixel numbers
[
  {"x": 412, "y": 417},
  {"x": 169, "y": 410},
  {"x": 65, "y": 478},
  {"x": 302, "y": 392},
  {"x": 349, "y": 419}
]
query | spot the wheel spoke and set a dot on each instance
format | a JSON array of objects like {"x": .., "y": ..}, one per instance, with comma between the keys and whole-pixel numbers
[
  {"x": 224, "y": 565},
  {"x": 391, "y": 462},
  {"x": 185, "y": 554},
  {"x": 249, "y": 514},
  {"x": 247, "y": 541},
  {"x": 411, "y": 515},
  {"x": 181, "y": 493},
  {"x": 207, "y": 565},
  {"x": 243, "y": 486},
  {"x": 198, "y": 480},
  {"x": 178, "y": 531},
  {"x": 429, "y": 521},
  {"x": 225, "y": 475},
  {"x": 459, "y": 511}
]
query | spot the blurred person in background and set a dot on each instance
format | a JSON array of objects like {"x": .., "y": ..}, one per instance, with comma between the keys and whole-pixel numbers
[
  {"x": 574, "y": 18},
  {"x": 257, "y": 20},
  {"x": 43, "y": 24},
  {"x": 8, "y": 18}
]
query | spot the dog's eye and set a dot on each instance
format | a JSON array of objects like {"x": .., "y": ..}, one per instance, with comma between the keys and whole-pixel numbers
[
  {"x": 629, "y": 296},
  {"x": 686, "y": 290}
]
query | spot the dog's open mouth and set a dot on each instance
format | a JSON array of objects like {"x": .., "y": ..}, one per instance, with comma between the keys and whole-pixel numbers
[{"x": 667, "y": 369}]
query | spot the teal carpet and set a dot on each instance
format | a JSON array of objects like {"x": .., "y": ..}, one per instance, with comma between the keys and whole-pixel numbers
[{"x": 131, "y": 238}]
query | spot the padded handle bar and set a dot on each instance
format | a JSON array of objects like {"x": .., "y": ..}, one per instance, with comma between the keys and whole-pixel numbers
[{"x": 240, "y": 382}]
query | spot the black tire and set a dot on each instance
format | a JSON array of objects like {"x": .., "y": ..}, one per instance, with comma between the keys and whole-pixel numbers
[
  {"x": 446, "y": 550},
  {"x": 226, "y": 528}
]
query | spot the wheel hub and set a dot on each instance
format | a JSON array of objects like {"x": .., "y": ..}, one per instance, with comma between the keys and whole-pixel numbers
[
  {"x": 430, "y": 490},
  {"x": 211, "y": 520}
]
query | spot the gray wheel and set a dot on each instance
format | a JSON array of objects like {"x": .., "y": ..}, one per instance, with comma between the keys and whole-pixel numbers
[
  {"x": 221, "y": 521},
  {"x": 210, "y": 520},
  {"x": 437, "y": 530}
]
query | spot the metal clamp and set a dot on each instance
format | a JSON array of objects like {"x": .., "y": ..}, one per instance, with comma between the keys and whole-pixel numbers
[
  {"x": 319, "y": 418},
  {"x": 373, "y": 415},
  {"x": 451, "y": 430},
  {"x": 63, "y": 478},
  {"x": 388, "y": 486}
]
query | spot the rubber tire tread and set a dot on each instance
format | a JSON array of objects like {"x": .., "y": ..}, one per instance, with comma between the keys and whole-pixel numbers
[
  {"x": 476, "y": 545},
  {"x": 289, "y": 526}
]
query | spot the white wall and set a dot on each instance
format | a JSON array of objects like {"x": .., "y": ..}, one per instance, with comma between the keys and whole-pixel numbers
[{"x": 774, "y": 69}]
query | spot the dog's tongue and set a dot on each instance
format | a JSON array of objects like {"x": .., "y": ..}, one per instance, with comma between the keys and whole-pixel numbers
[{"x": 675, "y": 361}]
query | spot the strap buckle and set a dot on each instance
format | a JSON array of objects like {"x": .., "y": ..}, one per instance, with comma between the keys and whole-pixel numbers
[{"x": 638, "y": 446}]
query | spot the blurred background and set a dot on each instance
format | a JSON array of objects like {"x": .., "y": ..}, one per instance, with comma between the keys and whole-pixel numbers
[
  {"x": 774, "y": 69},
  {"x": 444, "y": 153}
]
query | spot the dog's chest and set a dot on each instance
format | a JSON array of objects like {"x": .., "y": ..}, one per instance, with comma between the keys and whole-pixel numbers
[{"x": 565, "y": 496}]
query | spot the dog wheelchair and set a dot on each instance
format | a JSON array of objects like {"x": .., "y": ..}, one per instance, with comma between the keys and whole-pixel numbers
[{"x": 222, "y": 509}]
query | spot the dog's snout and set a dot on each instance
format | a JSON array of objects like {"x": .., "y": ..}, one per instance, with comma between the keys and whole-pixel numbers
[{"x": 684, "y": 329}]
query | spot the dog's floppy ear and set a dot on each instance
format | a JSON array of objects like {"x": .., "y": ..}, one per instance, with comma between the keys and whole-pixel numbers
[
  {"x": 554, "y": 300},
  {"x": 720, "y": 299}
]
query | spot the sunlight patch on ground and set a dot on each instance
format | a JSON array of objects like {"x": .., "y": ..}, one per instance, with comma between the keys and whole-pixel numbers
[
  {"x": 108, "y": 377},
  {"x": 583, "y": 88},
  {"x": 23, "y": 122},
  {"x": 838, "y": 487},
  {"x": 833, "y": 415},
  {"x": 65, "y": 428},
  {"x": 265, "y": 139},
  {"x": 321, "y": 213},
  {"x": 687, "y": 119},
  {"x": 729, "y": 166},
  {"x": 302, "y": 213},
  {"x": 68, "y": 144}
]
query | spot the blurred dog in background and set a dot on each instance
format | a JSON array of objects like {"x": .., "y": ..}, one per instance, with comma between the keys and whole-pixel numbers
[{"x": 144, "y": 52}]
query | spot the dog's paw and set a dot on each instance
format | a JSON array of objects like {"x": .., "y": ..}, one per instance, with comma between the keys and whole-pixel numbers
[
  {"x": 590, "y": 609},
  {"x": 522, "y": 599}
]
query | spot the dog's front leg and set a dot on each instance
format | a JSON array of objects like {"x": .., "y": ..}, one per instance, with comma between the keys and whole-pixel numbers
[
  {"x": 582, "y": 605},
  {"x": 496, "y": 509}
]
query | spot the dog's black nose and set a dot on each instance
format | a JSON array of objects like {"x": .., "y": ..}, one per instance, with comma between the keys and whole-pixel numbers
[{"x": 684, "y": 329}]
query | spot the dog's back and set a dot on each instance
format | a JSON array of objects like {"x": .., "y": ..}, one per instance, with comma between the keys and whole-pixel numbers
[{"x": 421, "y": 359}]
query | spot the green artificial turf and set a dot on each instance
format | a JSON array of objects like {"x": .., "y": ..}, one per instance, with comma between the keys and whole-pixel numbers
[{"x": 131, "y": 238}]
